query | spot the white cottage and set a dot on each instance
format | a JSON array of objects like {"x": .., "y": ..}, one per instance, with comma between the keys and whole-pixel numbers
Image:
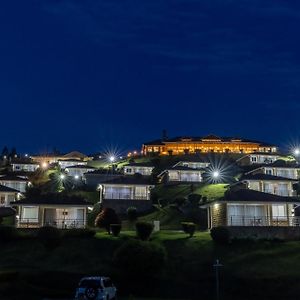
[
  {"x": 123, "y": 192},
  {"x": 278, "y": 169},
  {"x": 78, "y": 171},
  {"x": 24, "y": 166},
  {"x": 71, "y": 162},
  {"x": 15, "y": 182},
  {"x": 193, "y": 164},
  {"x": 276, "y": 185},
  {"x": 252, "y": 208},
  {"x": 138, "y": 168},
  {"x": 62, "y": 213},
  {"x": 258, "y": 158},
  {"x": 8, "y": 195},
  {"x": 184, "y": 174}
]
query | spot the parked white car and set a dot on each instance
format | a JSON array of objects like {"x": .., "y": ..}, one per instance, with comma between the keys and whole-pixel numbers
[{"x": 96, "y": 288}]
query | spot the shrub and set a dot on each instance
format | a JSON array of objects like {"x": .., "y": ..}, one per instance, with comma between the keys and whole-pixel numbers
[
  {"x": 220, "y": 235},
  {"x": 49, "y": 236},
  {"x": 189, "y": 228},
  {"x": 115, "y": 229},
  {"x": 79, "y": 233},
  {"x": 179, "y": 201},
  {"x": 132, "y": 214},
  {"x": 107, "y": 217},
  {"x": 8, "y": 233},
  {"x": 194, "y": 199},
  {"x": 144, "y": 230},
  {"x": 140, "y": 258}
]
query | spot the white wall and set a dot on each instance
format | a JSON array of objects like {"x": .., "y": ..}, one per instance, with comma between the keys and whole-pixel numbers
[
  {"x": 272, "y": 187},
  {"x": 131, "y": 170},
  {"x": 25, "y": 167},
  {"x": 138, "y": 192},
  {"x": 17, "y": 185},
  {"x": 185, "y": 176}
]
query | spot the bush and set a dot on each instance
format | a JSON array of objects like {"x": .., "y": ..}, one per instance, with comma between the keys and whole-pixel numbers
[
  {"x": 132, "y": 214},
  {"x": 140, "y": 258},
  {"x": 115, "y": 229},
  {"x": 194, "y": 199},
  {"x": 189, "y": 228},
  {"x": 144, "y": 230},
  {"x": 107, "y": 217},
  {"x": 49, "y": 236},
  {"x": 79, "y": 233},
  {"x": 8, "y": 233},
  {"x": 220, "y": 235}
]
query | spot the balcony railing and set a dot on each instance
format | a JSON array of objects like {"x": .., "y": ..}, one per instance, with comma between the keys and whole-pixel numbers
[
  {"x": 123, "y": 196},
  {"x": 263, "y": 221},
  {"x": 58, "y": 223}
]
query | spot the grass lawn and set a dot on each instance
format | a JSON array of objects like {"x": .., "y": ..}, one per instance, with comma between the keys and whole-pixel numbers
[
  {"x": 270, "y": 267},
  {"x": 212, "y": 191},
  {"x": 169, "y": 217}
]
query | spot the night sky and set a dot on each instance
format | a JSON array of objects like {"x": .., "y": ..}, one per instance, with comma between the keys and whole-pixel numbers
[{"x": 86, "y": 75}]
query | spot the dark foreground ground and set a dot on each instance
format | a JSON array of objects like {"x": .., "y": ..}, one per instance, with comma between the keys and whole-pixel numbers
[{"x": 252, "y": 270}]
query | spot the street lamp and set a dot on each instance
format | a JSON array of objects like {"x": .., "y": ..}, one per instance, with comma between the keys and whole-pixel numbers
[
  {"x": 296, "y": 151},
  {"x": 62, "y": 176},
  {"x": 112, "y": 158}
]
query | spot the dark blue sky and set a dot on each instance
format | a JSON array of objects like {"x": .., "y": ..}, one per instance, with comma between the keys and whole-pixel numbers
[{"x": 88, "y": 74}]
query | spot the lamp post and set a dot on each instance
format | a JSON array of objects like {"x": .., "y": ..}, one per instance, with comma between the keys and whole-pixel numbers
[{"x": 217, "y": 266}]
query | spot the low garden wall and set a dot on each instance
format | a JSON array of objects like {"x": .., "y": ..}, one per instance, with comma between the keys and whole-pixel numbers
[{"x": 262, "y": 232}]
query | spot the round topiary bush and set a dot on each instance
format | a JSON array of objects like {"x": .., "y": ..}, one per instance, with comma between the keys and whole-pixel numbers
[
  {"x": 132, "y": 214},
  {"x": 144, "y": 230},
  {"x": 49, "y": 236},
  {"x": 220, "y": 235},
  {"x": 115, "y": 229},
  {"x": 189, "y": 228},
  {"x": 139, "y": 258}
]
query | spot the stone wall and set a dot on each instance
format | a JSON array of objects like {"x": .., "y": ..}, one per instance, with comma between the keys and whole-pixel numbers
[
  {"x": 262, "y": 232},
  {"x": 218, "y": 215}
]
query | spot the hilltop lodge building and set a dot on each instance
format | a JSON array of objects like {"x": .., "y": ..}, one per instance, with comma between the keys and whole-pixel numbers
[{"x": 211, "y": 143}]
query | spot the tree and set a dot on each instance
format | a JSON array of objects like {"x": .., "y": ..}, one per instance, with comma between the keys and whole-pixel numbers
[
  {"x": 107, "y": 217},
  {"x": 5, "y": 152},
  {"x": 13, "y": 152}
]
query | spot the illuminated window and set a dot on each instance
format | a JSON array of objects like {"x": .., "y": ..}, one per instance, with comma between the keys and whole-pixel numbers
[
  {"x": 279, "y": 212},
  {"x": 30, "y": 213}
]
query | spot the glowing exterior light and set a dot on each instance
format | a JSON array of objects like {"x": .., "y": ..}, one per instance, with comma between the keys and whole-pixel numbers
[
  {"x": 112, "y": 158},
  {"x": 76, "y": 177},
  {"x": 44, "y": 165},
  {"x": 62, "y": 176},
  {"x": 296, "y": 151},
  {"x": 216, "y": 174}
]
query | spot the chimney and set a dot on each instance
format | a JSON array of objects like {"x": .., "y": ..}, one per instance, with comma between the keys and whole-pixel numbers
[{"x": 164, "y": 135}]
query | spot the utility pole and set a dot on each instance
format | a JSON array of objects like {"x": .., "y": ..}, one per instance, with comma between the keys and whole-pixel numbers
[{"x": 217, "y": 266}]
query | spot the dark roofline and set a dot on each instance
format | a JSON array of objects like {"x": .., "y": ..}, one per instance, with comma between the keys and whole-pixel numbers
[
  {"x": 252, "y": 196},
  {"x": 266, "y": 177},
  {"x": 129, "y": 180},
  {"x": 6, "y": 189},
  {"x": 55, "y": 202}
]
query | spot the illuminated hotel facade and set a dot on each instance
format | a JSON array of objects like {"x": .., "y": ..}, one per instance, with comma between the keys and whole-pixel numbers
[{"x": 211, "y": 143}]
